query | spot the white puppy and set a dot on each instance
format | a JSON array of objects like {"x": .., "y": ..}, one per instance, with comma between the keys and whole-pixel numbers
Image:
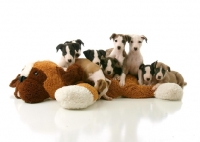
[{"x": 134, "y": 59}]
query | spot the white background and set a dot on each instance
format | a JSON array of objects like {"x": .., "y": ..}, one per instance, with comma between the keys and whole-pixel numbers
[{"x": 31, "y": 30}]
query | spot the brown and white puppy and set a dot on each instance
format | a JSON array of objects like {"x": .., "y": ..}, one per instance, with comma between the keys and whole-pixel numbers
[
  {"x": 95, "y": 74},
  {"x": 147, "y": 74},
  {"x": 134, "y": 59},
  {"x": 163, "y": 74},
  {"x": 118, "y": 51}
]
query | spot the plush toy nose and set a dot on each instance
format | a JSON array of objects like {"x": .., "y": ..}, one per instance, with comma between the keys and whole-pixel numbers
[{"x": 22, "y": 78}]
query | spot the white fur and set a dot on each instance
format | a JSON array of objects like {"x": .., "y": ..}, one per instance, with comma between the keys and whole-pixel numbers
[
  {"x": 96, "y": 76},
  {"x": 116, "y": 53},
  {"x": 64, "y": 63},
  {"x": 96, "y": 58},
  {"x": 169, "y": 91},
  {"x": 26, "y": 70},
  {"x": 74, "y": 97},
  {"x": 134, "y": 59},
  {"x": 108, "y": 68}
]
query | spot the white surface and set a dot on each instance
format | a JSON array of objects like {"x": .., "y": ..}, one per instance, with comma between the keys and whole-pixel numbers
[{"x": 31, "y": 30}]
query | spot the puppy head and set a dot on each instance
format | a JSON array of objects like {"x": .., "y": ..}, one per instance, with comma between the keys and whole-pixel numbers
[
  {"x": 109, "y": 64},
  {"x": 68, "y": 52},
  {"x": 136, "y": 42},
  {"x": 147, "y": 72},
  {"x": 160, "y": 70},
  {"x": 102, "y": 86},
  {"x": 120, "y": 40},
  {"x": 94, "y": 55},
  {"x": 77, "y": 47}
]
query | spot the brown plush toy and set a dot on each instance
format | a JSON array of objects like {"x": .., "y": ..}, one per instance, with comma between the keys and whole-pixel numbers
[
  {"x": 39, "y": 81},
  {"x": 131, "y": 89},
  {"x": 44, "y": 79}
]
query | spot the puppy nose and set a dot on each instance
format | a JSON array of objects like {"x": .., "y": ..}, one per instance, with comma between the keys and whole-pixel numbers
[
  {"x": 77, "y": 55},
  {"x": 108, "y": 72},
  {"x": 69, "y": 60},
  {"x": 22, "y": 78},
  {"x": 148, "y": 79},
  {"x": 135, "y": 48},
  {"x": 97, "y": 63},
  {"x": 159, "y": 77},
  {"x": 118, "y": 47}
]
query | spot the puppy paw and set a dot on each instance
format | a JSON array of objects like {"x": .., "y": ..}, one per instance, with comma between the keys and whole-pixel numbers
[
  {"x": 121, "y": 83},
  {"x": 116, "y": 77},
  {"x": 107, "y": 98}
]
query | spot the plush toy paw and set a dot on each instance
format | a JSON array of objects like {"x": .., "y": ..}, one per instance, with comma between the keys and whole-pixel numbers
[
  {"x": 76, "y": 96},
  {"x": 169, "y": 91}
]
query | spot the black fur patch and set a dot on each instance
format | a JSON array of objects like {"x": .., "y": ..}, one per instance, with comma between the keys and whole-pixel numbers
[
  {"x": 89, "y": 54},
  {"x": 71, "y": 47}
]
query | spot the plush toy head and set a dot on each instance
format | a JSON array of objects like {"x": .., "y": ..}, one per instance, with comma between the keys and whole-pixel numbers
[{"x": 39, "y": 80}]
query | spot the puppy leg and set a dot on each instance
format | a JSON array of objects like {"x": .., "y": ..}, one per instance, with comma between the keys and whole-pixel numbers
[
  {"x": 107, "y": 98},
  {"x": 140, "y": 79},
  {"x": 116, "y": 77},
  {"x": 122, "y": 79},
  {"x": 156, "y": 86}
]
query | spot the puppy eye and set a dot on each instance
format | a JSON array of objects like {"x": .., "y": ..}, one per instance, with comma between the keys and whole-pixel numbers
[
  {"x": 139, "y": 41},
  {"x": 115, "y": 40},
  {"x": 35, "y": 73},
  {"x": 131, "y": 41}
]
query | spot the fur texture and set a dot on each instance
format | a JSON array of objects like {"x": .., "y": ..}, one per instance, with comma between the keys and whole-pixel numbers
[
  {"x": 95, "y": 55},
  {"x": 163, "y": 74},
  {"x": 95, "y": 74},
  {"x": 134, "y": 59}
]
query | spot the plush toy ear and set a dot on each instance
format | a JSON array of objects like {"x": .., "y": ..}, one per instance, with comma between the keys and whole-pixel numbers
[
  {"x": 14, "y": 82},
  {"x": 143, "y": 37},
  {"x": 102, "y": 53},
  {"x": 113, "y": 36},
  {"x": 60, "y": 46}
]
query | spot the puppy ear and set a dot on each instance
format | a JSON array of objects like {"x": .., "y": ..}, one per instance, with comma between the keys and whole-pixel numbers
[
  {"x": 102, "y": 60},
  {"x": 113, "y": 36},
  {"x": 116, "y": 62},
  {"x": 87, "y": 53},
  {"x": 128, "y": 38},
  {"x": 60, "y": 46},
  {"x": 141, "y": 66},
  {"x": 168, "y": 68},
  {"x": 143, "y": 37},
  {"x": 102, "y": 53},
  {"x": 100, "y": 85},
  {"x": 153, "y": 65},
  {"x": 80, "y": 42}
]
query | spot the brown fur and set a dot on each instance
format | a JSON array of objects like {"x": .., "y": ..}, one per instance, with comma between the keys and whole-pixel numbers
[
  {"x": 125, "y": 37},
  {"x": 170, "y": 76}
]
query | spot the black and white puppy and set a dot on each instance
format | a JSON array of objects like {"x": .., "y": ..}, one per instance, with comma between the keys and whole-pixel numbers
[
  {"x": 95, "y": 55},
  {"x": 68, "y": 54},
  {"x": 77, "y": 48},
  {"x": 147, "y": 73},
  {"x": 111, "y": 67}
]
